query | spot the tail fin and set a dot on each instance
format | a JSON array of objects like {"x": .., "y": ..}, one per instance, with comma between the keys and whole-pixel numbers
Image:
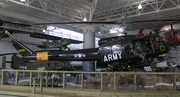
[{"x": 21, "y": 48}]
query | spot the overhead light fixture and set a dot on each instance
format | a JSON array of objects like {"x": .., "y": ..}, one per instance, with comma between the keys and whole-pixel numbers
[
  {"x": 22, "y": 0},
  {"x": 139, "y": 6},
  {"x": 116, "y": 30},
  {"x": 121, "y": 29},
  {"x": 84, "y": 19},
  {"x": 120, "y": 34},
  {"x": 166, "y": 29},
  {"x": 44, "y": 30}
]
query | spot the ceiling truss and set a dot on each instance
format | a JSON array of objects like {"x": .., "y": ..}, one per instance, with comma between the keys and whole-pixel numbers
[{"x": 98, "y": 10}]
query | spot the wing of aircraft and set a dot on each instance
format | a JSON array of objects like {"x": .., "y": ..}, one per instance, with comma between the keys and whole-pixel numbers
[
  {"x": 44, "y": 45},
  {"x": 50, "y": 37},
  {"x": 44, "y": 36}
]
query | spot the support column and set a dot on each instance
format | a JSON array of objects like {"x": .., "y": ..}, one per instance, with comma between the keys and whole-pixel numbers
[{"x": 89, "y": 42}]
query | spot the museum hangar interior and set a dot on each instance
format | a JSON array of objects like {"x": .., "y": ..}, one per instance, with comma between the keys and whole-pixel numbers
[{"x": 95, "y": 27}]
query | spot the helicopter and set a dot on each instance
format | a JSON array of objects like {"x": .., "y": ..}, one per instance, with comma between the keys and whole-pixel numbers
[
  {"x": 19, "y": 63},
  {"x": 120, "y": 52},
  {"x": 135, "y": 50}
]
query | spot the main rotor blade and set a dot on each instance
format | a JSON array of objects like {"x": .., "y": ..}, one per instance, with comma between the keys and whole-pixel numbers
[
  {"x": 8, "y": 54},
  {"x": 11, "y": 22},
  {"x": 12, "y": 30},
  {"x": 44, "y": 36},
  {"x": 77, "y": 23},
  {"x": 22, "y": 24},
  {"x": 166, "y": 20}
]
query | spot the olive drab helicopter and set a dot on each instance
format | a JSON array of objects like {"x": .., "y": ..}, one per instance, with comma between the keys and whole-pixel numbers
[
  {"x": 23, "y": 64},
  {"x": 119, "y": 52}
]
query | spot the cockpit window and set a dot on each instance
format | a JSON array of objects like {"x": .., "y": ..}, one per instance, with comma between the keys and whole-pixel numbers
[
  {"x": 110, "y": 49},
  {"x": 158, "y": 40},
  {"x": 48, "y": 64},
  {"x": 116, "y": 48},
  {"x": 105, "y": 50}
]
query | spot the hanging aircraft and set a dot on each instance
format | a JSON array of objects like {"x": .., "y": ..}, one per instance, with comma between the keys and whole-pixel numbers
[
  {"x": 120, "y": 52},
  {"x": 57, "y": 42}
]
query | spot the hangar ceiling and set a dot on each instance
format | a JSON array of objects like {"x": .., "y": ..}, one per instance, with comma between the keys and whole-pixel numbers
[{"x": 96, "y": 10}]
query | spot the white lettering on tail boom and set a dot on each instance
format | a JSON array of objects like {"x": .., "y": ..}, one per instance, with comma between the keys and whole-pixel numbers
[
  {"x": 112, "y": 57},
  {"x": 41, "y": 68}
]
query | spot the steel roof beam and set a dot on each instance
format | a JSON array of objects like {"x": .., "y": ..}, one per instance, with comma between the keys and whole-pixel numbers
[
  {"x": 132, "y": 11},
  {"x": 45, "y": 7},
  {"x": 93, "y": 6},
  {"x": 20, "y": 16}
]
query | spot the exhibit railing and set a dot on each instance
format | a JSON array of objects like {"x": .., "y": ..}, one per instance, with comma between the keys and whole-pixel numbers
[{"x": 93, "y": 80}]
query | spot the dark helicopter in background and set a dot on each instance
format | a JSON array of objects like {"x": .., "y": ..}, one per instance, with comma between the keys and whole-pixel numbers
[
  {"x": 170, "y": 33},
  {"x": 134, "y": 51}
]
